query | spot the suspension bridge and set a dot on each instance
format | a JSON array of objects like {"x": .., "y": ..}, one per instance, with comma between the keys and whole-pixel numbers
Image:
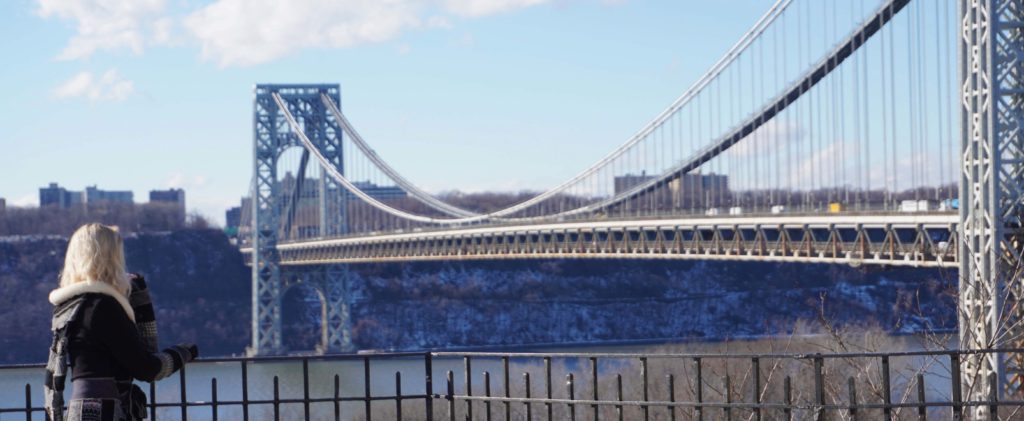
[{"x": 866, "y": 132}]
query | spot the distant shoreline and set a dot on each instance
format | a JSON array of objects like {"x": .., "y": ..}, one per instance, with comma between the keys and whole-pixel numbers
[{"x": 547, "y": 346}]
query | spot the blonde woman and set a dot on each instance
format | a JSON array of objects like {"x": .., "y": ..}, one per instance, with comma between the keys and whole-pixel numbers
[{"x": 103, "y": 324}]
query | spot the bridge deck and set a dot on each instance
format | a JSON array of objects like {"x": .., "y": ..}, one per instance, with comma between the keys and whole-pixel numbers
[{"x": 909, "y": 239}]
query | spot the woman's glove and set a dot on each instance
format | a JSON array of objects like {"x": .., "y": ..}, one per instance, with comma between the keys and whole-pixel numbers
[
  {"x": 142, "y": 305},
  {"x": 174, "y": 358},
  {"x": 185, "y": 352}
]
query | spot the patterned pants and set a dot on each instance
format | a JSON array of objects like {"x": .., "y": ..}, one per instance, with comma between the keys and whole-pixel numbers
[{"x": 96, "y": 410}]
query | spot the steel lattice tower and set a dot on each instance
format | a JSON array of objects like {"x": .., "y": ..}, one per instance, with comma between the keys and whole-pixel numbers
[
  {"x": 271, "y": 137},
  {"x": 991, "y": 51}
]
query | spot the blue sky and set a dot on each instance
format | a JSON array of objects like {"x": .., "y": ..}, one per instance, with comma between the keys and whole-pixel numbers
[{"x": 456, "y": 94}]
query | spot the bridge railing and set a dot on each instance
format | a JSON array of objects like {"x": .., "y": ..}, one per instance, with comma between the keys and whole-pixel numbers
[
  {"x": 646, "y": 215},
  {"x": 545, "y": 386}
]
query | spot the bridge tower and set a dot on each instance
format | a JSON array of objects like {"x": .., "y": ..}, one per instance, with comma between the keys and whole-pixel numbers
[
  {"x": 273, "y": 209},
  {"x": 991, "y": 48}
]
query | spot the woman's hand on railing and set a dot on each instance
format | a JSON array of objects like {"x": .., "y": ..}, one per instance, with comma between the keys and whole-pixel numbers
[{"x": 186, "y": 352}]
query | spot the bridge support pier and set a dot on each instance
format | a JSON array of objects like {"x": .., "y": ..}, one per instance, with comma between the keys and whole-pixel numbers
[
  {"x": 337, "y": 321},
  {"x": 270, "y": 200},
  {"x": 991, "y": 192},
  {"x": 330, "y": 282}
]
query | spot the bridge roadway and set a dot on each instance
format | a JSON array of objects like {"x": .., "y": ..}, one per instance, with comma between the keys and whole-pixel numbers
[{"x": 904, "y": 239}]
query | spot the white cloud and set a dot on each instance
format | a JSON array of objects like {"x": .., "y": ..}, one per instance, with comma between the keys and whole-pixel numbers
[
  {"x": 175, "y": 181},
  {"x": 26, "y": 200},
  {"x": 248, "y": 32},
  {"x": 439, "y": 22},
  {"x": 821, "y": 165},
  {"x": 108, "y": 87},
  {"x": 163, "y": 30},
  {"x": 107, "y": 24},
  {"x": 240, "y": 32},
  {"x": 181, "y": 181},
  {"x": 476, "y": 8},
  {"x": 773, "y": 134}
]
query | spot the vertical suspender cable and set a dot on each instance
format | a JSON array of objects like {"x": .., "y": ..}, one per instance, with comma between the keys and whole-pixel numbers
[
  {"x": 950, "y": 97},
  {"x": 892, "y": 109},
  {"x": 911, "y": 92},
  {"x": 787, "y": 131},
  {"x": 885, "y": 115},
  {"x": 941, "y": 165}
]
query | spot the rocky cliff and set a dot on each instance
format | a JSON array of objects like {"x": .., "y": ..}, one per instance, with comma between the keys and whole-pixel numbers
[
  {"x": 432, "y": 305},
  {"x": 202, "y": 294},
  {"x": 197, "y": 280}
]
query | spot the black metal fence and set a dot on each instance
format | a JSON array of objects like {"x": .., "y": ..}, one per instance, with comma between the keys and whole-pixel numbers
[{"x": 557, "y": 386}]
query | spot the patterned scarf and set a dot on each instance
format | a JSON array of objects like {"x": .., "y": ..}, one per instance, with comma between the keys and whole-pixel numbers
[{"x": 57, "y": 363}]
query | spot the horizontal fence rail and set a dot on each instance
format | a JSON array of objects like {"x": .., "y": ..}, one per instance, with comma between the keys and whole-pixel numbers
[{"x": 549, "y": 386}]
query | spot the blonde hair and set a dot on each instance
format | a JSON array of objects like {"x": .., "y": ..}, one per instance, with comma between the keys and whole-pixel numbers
[{"x": 95, "y": 253}]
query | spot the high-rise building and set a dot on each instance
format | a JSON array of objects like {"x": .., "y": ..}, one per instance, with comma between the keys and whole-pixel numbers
[
  {"x": 698, "y": 188},
  {"x": 233, "y": 218},
  {"x": 628, "y": 181},
  {"x": 172, "y": 197},
  {"x": 57, "y": 196},
  {"x": 378, "y": 192},
  {"x": 95, "y": 195},
  {"x": 684, "y": 191},
  {"x": 168, "y": 196}
]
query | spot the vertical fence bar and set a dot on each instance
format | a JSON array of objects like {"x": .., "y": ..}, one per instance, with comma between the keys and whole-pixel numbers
[
  {"x": 213, "y": 398},
  {"x": 819, "y": 388},
  {"x": 305, "y": 388},
  {"x": 245, "y": 393},
  {"x": 428, "y": 368},
  {"x": 727, "y": 391},
  {"x": 398, "y": 395},
  {"x": 593, "y": 385},
  {"x": 508, "y": 393},
  {"x": 699, "y": 390},
  {"x": 646, "y": 395},
  {"x": 469, "y": 386},
  {"x": 529, "y": 412},
  {"x": 487, "y": 393},
  {"x": 547, "y": 381},
  {"x": 618, "y": 393},
  {"x": 787, "y": 396},
  {"x": 852, "y": 386},
  {"x": 957, "y": 394},
  {"x": 993, "y": 397},
  {"x": 152, "y": 395},
  {"x": 755, "y": 368},
  {"x": 28, "y": 402},
  {"x": 184, "y": 398},
  {"x": 922, "y": 410},
  {"x": 450, "y": 395},
  {"x": 671, "y": 397},
  {"x": 277, "y": 401},
  {"x": 337, "y": 398},
  {"x": 886, "y": 388},
  {"x": 366, "y": 388},
  {"x": 570, "y": 385}
]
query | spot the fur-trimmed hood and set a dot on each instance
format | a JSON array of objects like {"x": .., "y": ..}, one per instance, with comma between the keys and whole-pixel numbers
[{"x": 63, "y": 294}]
